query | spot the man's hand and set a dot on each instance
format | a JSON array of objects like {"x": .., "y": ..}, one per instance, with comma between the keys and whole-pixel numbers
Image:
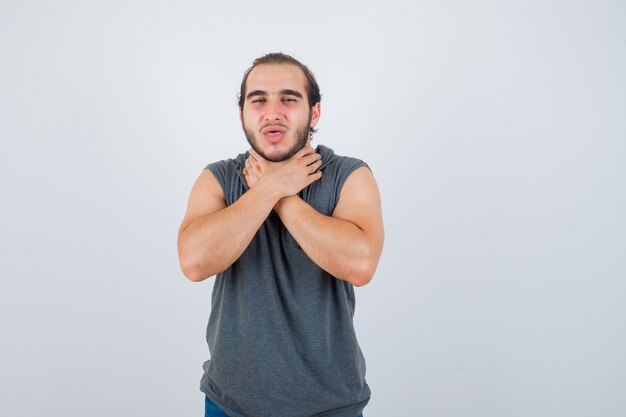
[
  {"x": 212, "y": 235},
  {"x": 286, "y": 178}
]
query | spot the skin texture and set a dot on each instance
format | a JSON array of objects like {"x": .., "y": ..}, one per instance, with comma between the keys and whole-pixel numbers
[
  {"x": 274, "y": 100},
  {"x": 347, "y": 244},
  {"x": 302, "y": 136}
]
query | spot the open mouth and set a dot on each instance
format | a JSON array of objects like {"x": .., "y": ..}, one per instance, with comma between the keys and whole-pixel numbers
[
  {"x": 273, "y": 129},
  {"x": 273, "y": 133}
]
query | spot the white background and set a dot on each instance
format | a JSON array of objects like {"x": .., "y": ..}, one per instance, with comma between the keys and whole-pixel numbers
[{"x": 496, "y": 131}]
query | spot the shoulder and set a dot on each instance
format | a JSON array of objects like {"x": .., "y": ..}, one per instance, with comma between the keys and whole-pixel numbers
[
  {"x": 340, "y": 165},
  {"x": 339, "y": 168},
  {"x": 226, "y": 167}
]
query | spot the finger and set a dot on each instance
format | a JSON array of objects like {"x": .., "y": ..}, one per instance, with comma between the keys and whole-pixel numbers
[
  {"x": 313, "y": 158},
  {"x": 307, "y": 150},
  {"x": 314, "y": 166},
  {"x": 253, "y": 164},
  {"x": 315, "y": 176},
  {"x": 254, "y": 154}
]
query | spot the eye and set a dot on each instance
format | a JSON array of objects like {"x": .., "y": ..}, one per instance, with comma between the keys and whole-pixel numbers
[
  {"x": 258, "y": 100},
  {"x": 289, "y": 100}
]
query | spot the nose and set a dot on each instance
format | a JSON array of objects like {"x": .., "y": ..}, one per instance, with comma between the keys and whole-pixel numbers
[{"x": 273, "y": 111}]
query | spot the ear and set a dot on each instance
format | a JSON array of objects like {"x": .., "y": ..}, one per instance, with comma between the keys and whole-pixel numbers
[
  {"x": 240, "y": 114},
  {"x": 315, "y": 114}
]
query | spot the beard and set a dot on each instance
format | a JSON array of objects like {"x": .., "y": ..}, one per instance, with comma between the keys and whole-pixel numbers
[{"x": 302, "y": 135}]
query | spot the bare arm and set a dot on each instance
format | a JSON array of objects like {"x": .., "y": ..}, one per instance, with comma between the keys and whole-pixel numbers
[
  {"x": 347, "y": 244},
  {"x": 212, "y": 236}
]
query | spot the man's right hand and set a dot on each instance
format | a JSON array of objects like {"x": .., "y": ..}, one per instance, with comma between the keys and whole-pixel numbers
[{"x": 284, "y": 178}]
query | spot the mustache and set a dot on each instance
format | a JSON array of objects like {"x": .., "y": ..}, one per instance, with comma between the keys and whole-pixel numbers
[{"x": 272, "y": 125}]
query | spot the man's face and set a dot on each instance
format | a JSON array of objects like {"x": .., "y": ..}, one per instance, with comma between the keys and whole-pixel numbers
[{"x": 276, "y": 116}]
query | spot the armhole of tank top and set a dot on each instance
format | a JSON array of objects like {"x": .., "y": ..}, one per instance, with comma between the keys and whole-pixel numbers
[
  {"x": 218, "y": 169},
  {"x": 344, "y": 173}
]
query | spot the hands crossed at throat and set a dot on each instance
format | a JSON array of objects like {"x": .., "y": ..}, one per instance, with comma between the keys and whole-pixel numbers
[{"x": 285, "y": 178}]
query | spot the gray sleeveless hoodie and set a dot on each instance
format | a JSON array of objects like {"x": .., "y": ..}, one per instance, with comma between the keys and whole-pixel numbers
[{"x": 280, "y": 333}]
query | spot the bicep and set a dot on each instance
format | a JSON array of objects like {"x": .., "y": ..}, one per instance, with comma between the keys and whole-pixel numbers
[
  {"x": 206, "y": 197},
  {"x": 359, "y": 203}
]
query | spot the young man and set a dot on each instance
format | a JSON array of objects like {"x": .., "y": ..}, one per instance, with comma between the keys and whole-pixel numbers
[{"x": 289, "y": 230}]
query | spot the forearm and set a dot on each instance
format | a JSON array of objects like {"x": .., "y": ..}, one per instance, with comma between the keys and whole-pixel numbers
[
  {"x": 338, "y": 246},
  {"x": 211, "y": 243}
]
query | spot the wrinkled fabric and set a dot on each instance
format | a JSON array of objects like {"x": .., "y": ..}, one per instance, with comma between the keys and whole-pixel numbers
[{"x": 280, "y": 332}]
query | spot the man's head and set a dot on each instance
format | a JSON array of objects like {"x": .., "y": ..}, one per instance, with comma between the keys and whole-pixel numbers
[{"x": 279, "y": 103}]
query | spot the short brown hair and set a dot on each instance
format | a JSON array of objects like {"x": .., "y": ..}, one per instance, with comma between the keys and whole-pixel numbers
[{"x": 313, "y": 90}]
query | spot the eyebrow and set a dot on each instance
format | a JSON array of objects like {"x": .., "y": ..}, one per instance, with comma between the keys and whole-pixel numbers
[
  {"x": 291, "y": 93},
  {"x": 286, "y": 92}
]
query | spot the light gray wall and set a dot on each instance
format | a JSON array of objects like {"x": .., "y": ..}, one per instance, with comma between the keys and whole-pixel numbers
[{"x": 496, "y": 131}]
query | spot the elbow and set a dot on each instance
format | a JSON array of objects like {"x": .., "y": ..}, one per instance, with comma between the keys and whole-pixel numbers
[
  {"x": 191, "y": 273},
  {"x": 362, "y": 273},
  {"x": 197, "y": 268},
  {"x": 363, "y": 269},
  {"x": 360, "y": 280},
  {"x": 191, "y": 270},
  {"x": 192, "y": 264}
]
